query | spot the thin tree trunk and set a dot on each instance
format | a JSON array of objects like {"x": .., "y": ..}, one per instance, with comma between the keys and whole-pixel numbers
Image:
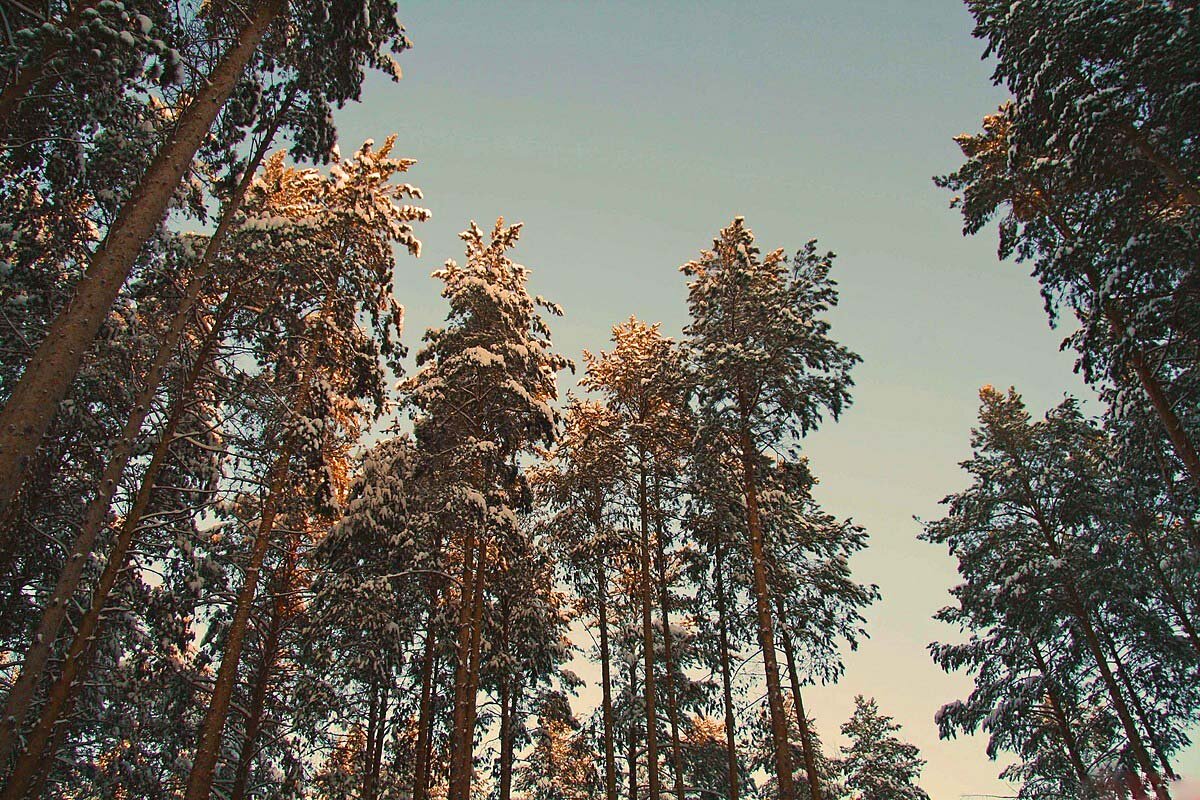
[
  {"x": 34, "y": 665},
  {"x": 462, "y": 661},
  {"x": 1171, "y": 597},
  {"x": 505, "y": 741},
  {"x": 1064, "y": 726},
  {"x": 1183, "y": 445},
  {"x": 420, "y": 789},
  {"x": 810, "y": 756},
  {"x": 1184, "y": 448},
  {"x": 375, "y": 755},
  {"x": 1139, "y": 708},
  {"x": 762, "y": 602},
  {"x": 74, "y": 665},
  {"x": 200, "y": 780},
  {"x": 509, "y": 702},
  {"x": 258, "y": 696},
  {"x": 463, "y": 762},
  {"x": 648, "y": 639},
  {"x": 1079, "y": 611},
  {"x": 473, "y": 685},
  {"x": 726, "y": 676},
  {"x": 1141, "y": 756},
  {"x": 436, "y": 704},
  {"x": 29, "y": 74},
  {"x": 631, "y": 759},
  {"x": 58, "y": 737},
  {"x": 668, "y": 649},
  {"x": 48, "y": 377},
  {"x": 368, "y": 751},
  {"x": 610, "y": 757}
]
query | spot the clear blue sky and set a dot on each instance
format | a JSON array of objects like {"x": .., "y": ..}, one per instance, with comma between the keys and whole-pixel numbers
[{"x": 625, "y": 135}]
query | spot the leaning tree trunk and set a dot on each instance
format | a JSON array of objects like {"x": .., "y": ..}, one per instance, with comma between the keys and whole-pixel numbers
[
  {"x": 47, "y": 378},
  {"x": 34, "y": 665},
  {"x": 1142, "y": 144},
  {"x": 648, "y": 640},
  {"x": 726, "y": 676},
  {"x": 200, "y": 780},
  {"x": 1169, "y": 593},
  {"x": 1092, "y": 641},
  {"x": 1181, "y": 442},
  {"x": 1079, "y": 611},
  {"x": 762, "y": 602},
  {"x": 1139, "y": 708},
  {"x": 1087, "y": 788},
  {"x": 262, "y": 681}
]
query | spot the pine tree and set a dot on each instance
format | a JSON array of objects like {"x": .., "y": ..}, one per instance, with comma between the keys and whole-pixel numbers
[
  {"x": 1040, "y": 539},
  {"x": 495, "y": 339},
  {"x": 767, "y": 372},
  {"x": 876, "y": 765},
  {"x": 578, "y": 482},
  {"x": 641, "y": 383}
]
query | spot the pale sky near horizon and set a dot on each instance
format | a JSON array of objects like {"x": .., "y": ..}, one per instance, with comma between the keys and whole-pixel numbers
[{"x": 625, "y": 135}]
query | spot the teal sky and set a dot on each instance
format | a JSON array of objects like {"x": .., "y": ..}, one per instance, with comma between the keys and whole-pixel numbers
[{"x": 625, "y": 135}]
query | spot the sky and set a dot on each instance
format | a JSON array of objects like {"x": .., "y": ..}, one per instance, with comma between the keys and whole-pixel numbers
[{"x": 625, "y": 135}]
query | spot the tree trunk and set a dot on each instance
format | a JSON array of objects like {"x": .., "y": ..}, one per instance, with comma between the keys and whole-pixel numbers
[
  {"x": 762, "y": 602},
  {"x": 375, "y": 750},
  {"x": 436, "y": 706},
  {"x": 74, "y": 664},
  {"x": 34, "y": 665},
  {"x": 1141, "y": 756},
  {"x": 368, "y": 751},
  {"x": 648, "y": 639},
  {"x": 631, "y": 760},
  {"x": 58, "y": 739},
  {"x": 664, "y": 596},
  {"x": 610, "y": 758},
  {"x": 200, "y": 780},
  {"x": 31, "y": 73},
  {"x": 462, "y": 662},
  {"x": 1139, "y": 708},
  {"x": 258, "y": 697},
  {"x": 1184, "y": 448},
  {"x": 1176, "y": 605},
  {"x": 1087, "y": 788},
  {"x": 48, "y": 377},
  {"x": 1180, "y": 441},
  {"x": 509, "y": 702},
  {"x": 726, "y": 676},
  {"x": 420, "y": 789},
  {"x": 1078, "y": 609},
  {"x": 463, "y": 760},
  {"x": 473, "y": 685},
  {"x": 810, "y": 756}
]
